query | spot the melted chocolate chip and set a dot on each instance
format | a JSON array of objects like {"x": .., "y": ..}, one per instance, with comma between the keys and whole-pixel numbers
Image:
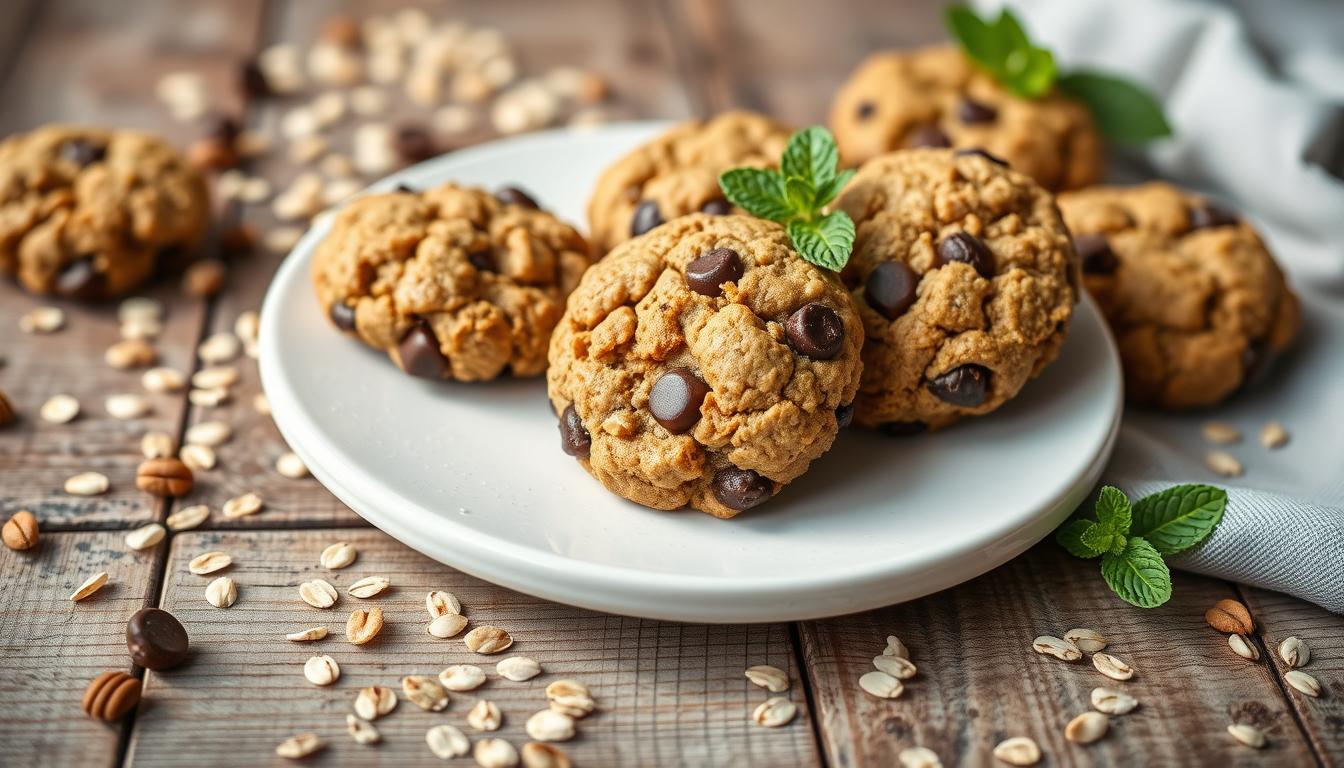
[
  {"x": 224, "y": 129},
  {"x": 865, "y": 110},
  {"x": 516, "y": 196},
  {"x": 82, "y": 152},
  {"x": 970, "y": 111},
  {"x": 844, "y": 415},
  {"x": 420, "y": 354},
  {"x": 928, "y": 136},
  {"x": 675, "y": 399},
  {"x": 156, "y": 639},
  {"x": 1095, "y": 253},
  {"x": 343, "y": 315},
  {"x": 482, "y": 260},
  {"x": 815, "y": 331},
  {"x": 741, "y": 489},
  {"x": 968, "y": 249},
  {"x": 717, "y": 207},
  {"x": 1210, "y": 215},
  {"x": 978, "y": 152},
  {"x": 707, "y": 274},
  {"x": 404, "y": 188},
  {"x": 966, "y": 385},
  {"x": 903, "y": 428},
  {"x": 647, "y": 216},
  {"x": 574, "y": 438},
  {"x": 891, "y": 288},
  {"x": 80, "y": 280}
]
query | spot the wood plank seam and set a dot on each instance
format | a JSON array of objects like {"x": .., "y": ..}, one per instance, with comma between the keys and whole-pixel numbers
[{"x": 809, "y": 696}]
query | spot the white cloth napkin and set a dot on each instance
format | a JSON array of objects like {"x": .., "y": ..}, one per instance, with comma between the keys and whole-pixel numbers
[{"x": 1256, "y": 97}]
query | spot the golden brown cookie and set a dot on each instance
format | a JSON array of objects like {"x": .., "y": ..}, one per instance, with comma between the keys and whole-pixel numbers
[
  {"x": 1194, "y": 298},
  {"x": 935, "y": 97},
  {"x": 86, "y": 212},
  {"x": 678, "y": 173},
  {"x": 704, "y": 364},
  {"x": 965, "y": 278},
  {"x": 453, "y": 282}
]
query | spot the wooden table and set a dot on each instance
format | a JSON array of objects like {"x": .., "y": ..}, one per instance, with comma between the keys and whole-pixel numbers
[{"x": 668, "y": 693}]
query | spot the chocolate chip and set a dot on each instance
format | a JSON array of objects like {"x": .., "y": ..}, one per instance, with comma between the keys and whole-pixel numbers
[
  {"x": 420, "y": 353},
  {"x": 156, "y": 639},
  {"x": 343, "y": 315},
  {"x": 815, "y": 331},
  {"x": 891, "y": 288},
  {"x": 414, "y": 144},
  {"x": 707, "y": 274},
  {"x": 978, "y": 152},
  {"x": 844, "y": 415},
  {"x": 482, "y": 260},
  {"x": 903, "y": 428},
  {"x": 1095, "y": 253},
  {"x": 253, "y": 80},
  {"x": 675, "y": 399},
  {"x": 928, "y": 136},
  {"x": 865, "y": 110},
  {"x": 968, "y": 249},
  {"x": 516, "y": 196},
  {"x": 647, "y": 216},
  {"x": 741, "y": 489},
  {"x": 82, "y": 152},
  {"x": 1210, "y": 215},
  {"x": 404, "y": 188},
  {"x": 574, "y": 438},
  {"x": 224, "y": 129},
  {"x": 717, "y": 207},
  {"x": 80, "y": 280},
  {"x": 965, "y": 385},
  {"x": 971, "y": 111}
]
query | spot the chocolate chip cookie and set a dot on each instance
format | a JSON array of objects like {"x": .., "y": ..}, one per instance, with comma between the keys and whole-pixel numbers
[
  {"x": 935, "y": 97},
  {"x": 965, "y": 278},
  {"x": 86, "y": 212},
  {"x": 1193, "y": 296},
  {"x": 453, "y": 282},
  {"x": 678, "y": 173},
  {"x": 704, "y": 364}
]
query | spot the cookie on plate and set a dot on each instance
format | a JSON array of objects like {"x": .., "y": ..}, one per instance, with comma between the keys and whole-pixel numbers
[
  {"x": 1194, "y": 298},
  {"x": 935, "y": 97},
  {"x": 86, "y": 212},
  {"x": 704, "y": 364},
  {"x": 453, "y": 282},
  {"x": 678, "y": 173},
  {"x": 965, "y": 278}
]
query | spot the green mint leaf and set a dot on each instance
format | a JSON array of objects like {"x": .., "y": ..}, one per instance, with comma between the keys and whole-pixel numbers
[
  {"x": 800, "y": 196},
  {"x": 1180, "y": 517},
  {"x": 1071, "y": 537},
  {"x": 758, "y": 191},
  {"x": 1103, "y": 539},
  {"x": 1003, "y": 49},
  {"x": 811, "y": 155},
  {"x": 825, "y": 242},
  {"x": 827, "y": 192},
  {"x": 1137, "y": 574},
  {"x": 1125, "y": 112},
  {"x": 983, "y": 43},
  {"x": 1031, "y": 72},
  {"x": 1113, "y": 511}
]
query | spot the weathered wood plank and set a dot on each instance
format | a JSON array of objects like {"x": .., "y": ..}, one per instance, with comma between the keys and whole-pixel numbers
[
  {"x": 1279, "y": 617},
  {"x": 53, "y": 647},
  {"x": 980, "y": 682},
  {"x": 667, "y": 694}
]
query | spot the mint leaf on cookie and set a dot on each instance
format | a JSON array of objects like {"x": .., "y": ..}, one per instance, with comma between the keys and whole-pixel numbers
[
  {"x": 1178, "y": 518},
  {"x": 797, "y": 194},
  {"x": 1137, "y": 574},
  {"x": 1125, "y": 113}
]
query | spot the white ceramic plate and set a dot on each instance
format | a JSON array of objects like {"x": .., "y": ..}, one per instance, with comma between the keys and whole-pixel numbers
[{"x": 473, "y": 475}]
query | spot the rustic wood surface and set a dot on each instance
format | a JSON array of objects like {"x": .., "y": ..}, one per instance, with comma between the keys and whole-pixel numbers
[{"x": 667, "y": 693}]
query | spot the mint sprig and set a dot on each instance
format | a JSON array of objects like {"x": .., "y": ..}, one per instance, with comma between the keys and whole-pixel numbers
[
  {"x": 1125, "y": 112},
  {"x": 797, "y": 194},
  {"x": 1131, "y": 539}
]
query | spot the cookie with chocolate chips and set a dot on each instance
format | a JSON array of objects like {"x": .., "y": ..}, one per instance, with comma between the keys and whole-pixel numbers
[
  {"x": 453, "y": 282},
  {"x": 1194, "y": 297},
  {"x": 86, "y": 213},
  {"x": 704, "y": 364},
  {"x": 965, "y": 278},
  {"x": 678, "y": 173},
  {"x": 935, "y": 97}
]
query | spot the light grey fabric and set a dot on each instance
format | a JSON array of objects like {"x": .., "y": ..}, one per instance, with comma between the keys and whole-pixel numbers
[{"x": 1258, "y": 110}]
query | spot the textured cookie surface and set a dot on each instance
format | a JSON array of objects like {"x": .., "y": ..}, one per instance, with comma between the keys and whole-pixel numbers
[
  {"x": 965, "y": 278},
  {"x": 934, "y": 97},
  {"x": 704, "y": 364},
  {"x": 86, "y": 212},
  {"x": 678, "y": 173},
  {"x": 451, "y": 282},
  {"x": 1194, "y": 298}
]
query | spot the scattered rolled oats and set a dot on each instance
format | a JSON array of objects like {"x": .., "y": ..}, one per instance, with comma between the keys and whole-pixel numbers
[
  {"x": 1086, "y": 640},
  {"x": 895, "y": 648},
  {"x": 774, "y": 712},
  {"x": 87, "y": 484},
  {"x": 361, "y": 731},
  {"x": 364, "y": 625},
  {"x": 1248, "y": 735},
  {"x": 375, "y": 701},
  {"x": 485, "y": 716},
  {"x": 130, "y": 353},
  {"x": 209, "y": 562},
  {"x": 518, "y": 668},
  {"x": 316, "y": 633},
  {"x": 453, "y": 119},
  {"x": 221, "y": 592},
  {"x": 539, "y": 755},
  {"x": 42, "y": 320},
  {"x": 881, "y": 685},
  {"x": 369, "y": 586},
  {"x": 424, "y": 692},
  {"x": 1294, "y": 652},
  {"x": 282, "y": 239},
  {"x": 126, "y": 406},
  {"x": 157, "y": 445},
  {"x": 1224, "y": 463},
  {"x": 1243, "y": 647},
  {"x": 242, "y": 506},
  {"x": 188, "y": 517},
  {"x": 145, "y": 536},
  {"x": 296, "y": 747},
  {"x": 321, "y": 670},
  {"x": 215, "y": 376},
  {"x": 1303, "y": 682},
  {"x": 772, "y": 679},
  {"x": 897, "y": 667},
  {"x": 439, "y": 602},
  {"x": 1112, "y": 667},
  {"x": 208, "y": 398},
  {"x": 1053, "y": 646},
  {"x": 163, "y": 380},
  {"x": 1113, "y": 701},
  {"x": 197, "y": 457},
  {"x": 548, "y": 725},
  {"x": 1087, "y": 728},
  {"x": 219, "y": 348},
  {"x": 1019, "y": 750},
  {"x": 374, "y": 149},
  {"x": 318, "y": 593},
  {"x": 1273, "y": 435},
  {"x": 211, "y": 434},
  {"x": 446, "y": 742},
  {"x": 1221, "y": 432},
  {"x": 247, "y": 328},
  {"x": 338, "y": 555},
  {"x": 570, "y": 697},
  {"x": 462, "y": 677},
  {"x": 139, "y": 308},
  {"x": 61, "y": 409},
  {"x": 290, "y": 465},
  {"x": 488, "y": 639},
  {"x": 92, "y": 584},
  {"x": 261, "y": 404},
  {"x": 447, "y": 625}
]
